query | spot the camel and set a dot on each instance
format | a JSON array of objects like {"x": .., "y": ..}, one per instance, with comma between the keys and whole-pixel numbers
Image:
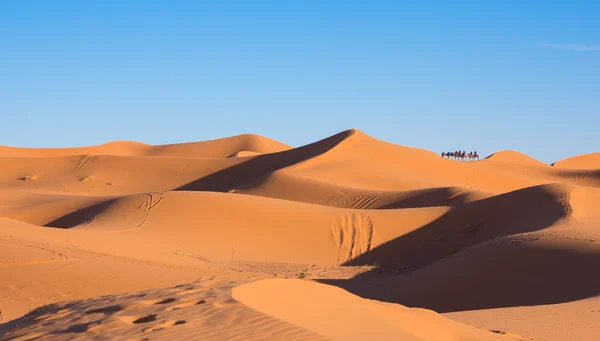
[
  {"x": 472, "y": 156},
  {"x": 461, "y": 155},
  {"x": 449, "y": 155}
]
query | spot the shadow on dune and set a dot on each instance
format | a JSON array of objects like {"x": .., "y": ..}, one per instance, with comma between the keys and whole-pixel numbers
[
  {"x": 81, "y": 216},
  {"x": 262, "y": 165},
  {"x": 418, "y": 261},
  {"x": 252, "y": 171},
  {"x": 585, "y": 178},
  {"x": 525, "y": 210},
  {"x": 433, "y": 197},
  {"x": 40, "y": 313},
  {"x": 492, "y": 275}
]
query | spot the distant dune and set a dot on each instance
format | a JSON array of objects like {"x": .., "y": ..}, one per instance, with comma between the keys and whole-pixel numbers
[
  {"x": 214, "y": 148},
  {"x": 511, "y": 156},
  {"x": 229, "y": 239},
  {"x": 586, "y": 161}
]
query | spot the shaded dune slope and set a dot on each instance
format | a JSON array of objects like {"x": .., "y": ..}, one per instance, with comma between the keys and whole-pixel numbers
[
  {"x": 546, "y": 267},
  {"x": 284, "y": 185},
  {"x": 468, "y": 224}
]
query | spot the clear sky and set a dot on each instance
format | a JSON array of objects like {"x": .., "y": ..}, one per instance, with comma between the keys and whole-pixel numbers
[{"x": 439, "y": 75}]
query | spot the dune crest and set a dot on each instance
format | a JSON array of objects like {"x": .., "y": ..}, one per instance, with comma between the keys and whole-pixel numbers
[
  {"x": 511, "y": 156},
  {"x": 337, "y": 314},
  {"x": 585, "y": 161},
  {"x": 222, "y": 147}
]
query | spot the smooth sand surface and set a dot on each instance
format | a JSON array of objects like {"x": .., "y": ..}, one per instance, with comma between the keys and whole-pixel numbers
[
  {"x": 585, "y": 161},
  {"x": 346, "y": 238}
]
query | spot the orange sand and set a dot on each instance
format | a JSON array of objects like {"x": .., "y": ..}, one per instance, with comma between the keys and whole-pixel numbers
[{"x": 362, "y": 230}]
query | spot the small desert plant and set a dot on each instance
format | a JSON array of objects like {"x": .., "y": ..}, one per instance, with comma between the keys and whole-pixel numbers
[
  {"x": 301, "y": 274},
  {"x": 30, "y": 178}
]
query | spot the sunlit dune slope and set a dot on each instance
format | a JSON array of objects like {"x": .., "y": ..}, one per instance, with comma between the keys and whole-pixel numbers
[
  {"x": 223, "y": 147},
  {"x": 514, "y": 157},
  {"x": 362, "y": 165},
  {"x": 585, "y": 161},
  {"x": 334, "y": 313}
]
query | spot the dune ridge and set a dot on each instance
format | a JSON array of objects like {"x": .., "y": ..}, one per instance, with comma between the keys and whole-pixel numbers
[
  {"x": 222, "y": 147},
  {"x": 394, "y": 226},
  {"x": 585, "y": 161},
  {"x": 511, "y": 156}
]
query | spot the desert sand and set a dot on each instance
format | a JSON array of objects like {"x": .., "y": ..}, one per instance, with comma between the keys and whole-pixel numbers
[{"x": 247, "y": 238}]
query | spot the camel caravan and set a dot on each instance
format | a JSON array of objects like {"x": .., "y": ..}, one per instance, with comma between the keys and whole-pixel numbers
[{"x": 461, "y": 155}]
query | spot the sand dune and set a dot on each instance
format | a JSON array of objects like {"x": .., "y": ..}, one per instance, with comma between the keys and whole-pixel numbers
[
  {"x": 399, "y": 226},
  {"x": 551, "y": 266},
  {"x": 290, "y": 300},
  {"x": 514, "y": 157},
  {"x": 211, "y": 149},
  {"x": 222, "y": 309},
  {"x": 571, "y": 321},
  {"x": 586, "y": 161}
]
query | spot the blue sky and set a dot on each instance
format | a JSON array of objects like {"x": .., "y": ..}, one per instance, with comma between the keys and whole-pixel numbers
[{"x": 439, "y": 75}]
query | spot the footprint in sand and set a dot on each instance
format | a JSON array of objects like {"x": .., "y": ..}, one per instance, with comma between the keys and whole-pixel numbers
[
  {"x": 138, "y": 319},
  {"x": 185, "y": 305},
  {"x": 163, "y": 325},
  {"x": 166, "y": 301},
  {"x": 106, "y": 310}
]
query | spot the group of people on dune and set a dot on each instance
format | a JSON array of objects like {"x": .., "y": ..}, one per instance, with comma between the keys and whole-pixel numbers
[{"x": 461, "y": 155}]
